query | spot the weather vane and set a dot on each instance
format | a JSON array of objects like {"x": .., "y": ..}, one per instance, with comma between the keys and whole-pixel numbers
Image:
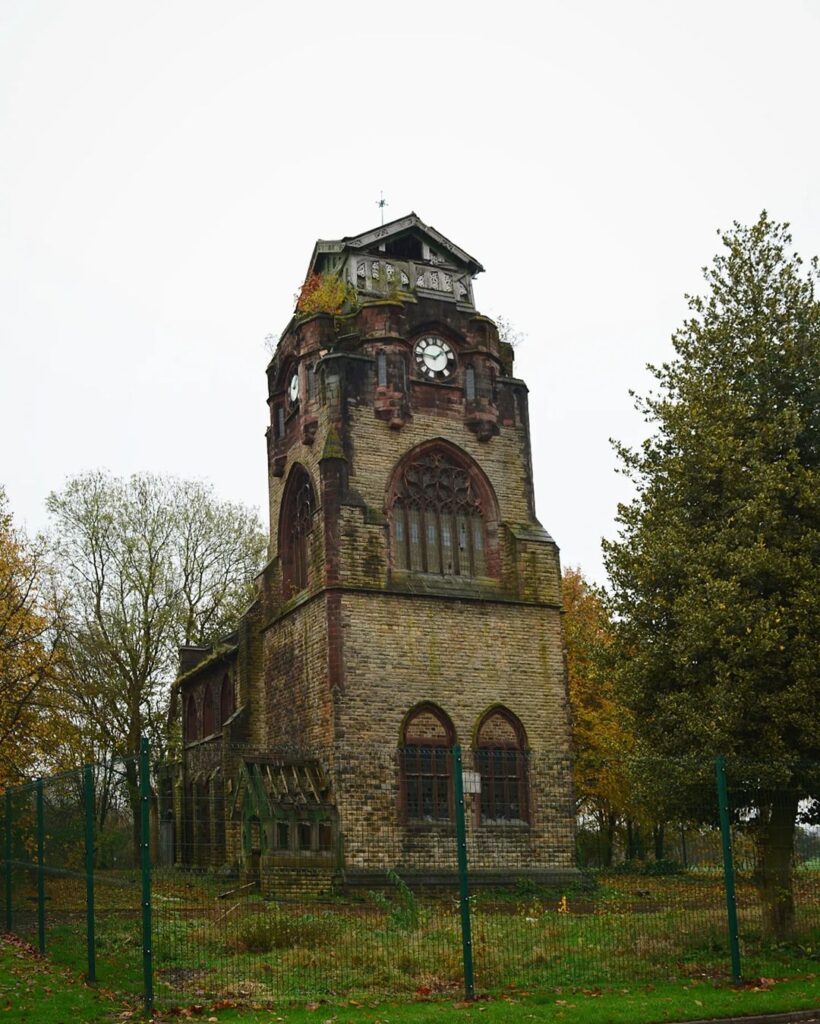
[{"x": 381, "y": 202}]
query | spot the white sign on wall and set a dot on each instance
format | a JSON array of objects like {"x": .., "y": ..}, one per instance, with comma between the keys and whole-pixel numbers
[{"x": 471, "y": 782}]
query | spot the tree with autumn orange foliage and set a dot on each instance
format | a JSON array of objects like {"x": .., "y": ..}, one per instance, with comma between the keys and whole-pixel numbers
[
  {"x": 601, "y": 733},
  {"x": 29, "y": 726}
]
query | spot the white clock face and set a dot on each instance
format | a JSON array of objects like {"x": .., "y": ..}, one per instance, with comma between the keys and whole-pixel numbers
[
  {"x": 293, "y": 387},
  {"x": 435, "y": 358}
]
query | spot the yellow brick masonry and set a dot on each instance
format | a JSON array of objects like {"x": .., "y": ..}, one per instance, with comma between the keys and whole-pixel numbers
[
  {"x": 404, "y": 643},
  {"x": 395, "y": 639}
]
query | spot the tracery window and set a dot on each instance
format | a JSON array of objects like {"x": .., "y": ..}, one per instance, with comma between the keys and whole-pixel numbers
[
  {"x": 437, "y": 517},
  {"x": 426, "y": 765},
  {"x": 294, "y": 528},
  {"x": 501, "y": 760}
]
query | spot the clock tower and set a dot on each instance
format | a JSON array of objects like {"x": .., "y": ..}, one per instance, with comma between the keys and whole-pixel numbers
[{"x": 411, "y": 600}]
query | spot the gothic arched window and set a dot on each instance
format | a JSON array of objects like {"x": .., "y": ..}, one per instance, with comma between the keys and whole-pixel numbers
[
  {"x": 190, "y": 719},
  {"x": 438, "y": 512},
  {"x": 210, "y": 710},
  {"x": 501, "y": 760},
  {"x": 426, "y": 765},
  {"x": 226, "y": 700},
  {"x": 295, "y": 524}
]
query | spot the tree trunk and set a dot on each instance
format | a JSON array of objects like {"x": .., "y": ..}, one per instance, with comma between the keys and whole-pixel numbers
[
  {"x": 775, "y": 852},
  {"x": 132, "y": 786},
  {"x": 609, "y": 833},
  {"x": 634, "y": 840},
  {"x": 658, "y": 832}
]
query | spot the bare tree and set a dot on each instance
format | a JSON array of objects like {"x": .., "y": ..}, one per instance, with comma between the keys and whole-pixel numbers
[{"x": 149, "y": 563}]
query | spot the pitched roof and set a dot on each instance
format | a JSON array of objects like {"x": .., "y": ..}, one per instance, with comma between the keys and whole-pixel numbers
[{"x": 376, "y": 236}]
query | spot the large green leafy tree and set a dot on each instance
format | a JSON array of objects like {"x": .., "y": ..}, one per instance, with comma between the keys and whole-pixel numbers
[{"x": 715, "y": 571}]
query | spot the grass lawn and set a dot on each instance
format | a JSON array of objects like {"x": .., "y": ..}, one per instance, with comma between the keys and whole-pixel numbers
[
  {"x": 35, "y": 990},
  {"x": 634, "y": 949},
  {"x": 631, "y": 930}
]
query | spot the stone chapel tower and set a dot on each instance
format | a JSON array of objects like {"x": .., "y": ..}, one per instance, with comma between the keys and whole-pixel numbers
[{"x": 411, "y": 600}]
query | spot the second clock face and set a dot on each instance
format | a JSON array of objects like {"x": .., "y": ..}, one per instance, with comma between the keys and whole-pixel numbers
[
  {"x": 293, "y": 389},
  {"x": 434, "y": 357}
]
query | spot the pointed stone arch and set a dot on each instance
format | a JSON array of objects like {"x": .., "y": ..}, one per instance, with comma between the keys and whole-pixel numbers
[
  {"x": 500, "y": 751},
  {"x": 295, "y": 525},
  {"x": 426, "y": 769}
]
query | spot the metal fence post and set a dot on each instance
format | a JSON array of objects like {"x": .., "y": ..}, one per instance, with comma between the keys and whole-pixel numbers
[
  {"x": 728, "y": 867},
  {"x": 145, "y": 863},
  {"x": 8, "y": 852},
  {"x": 463, "y": 883},
  {"x": 88, "y": 793},
  {"x": 41, "y": 881}
]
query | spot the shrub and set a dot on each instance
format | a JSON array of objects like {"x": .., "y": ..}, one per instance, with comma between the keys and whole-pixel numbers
[
  {"x": 324, "y": 293},
  {"x": 648, "y": 867},
  {"x": 278, "y": 930},
  {"x": 663, "y": 867}
]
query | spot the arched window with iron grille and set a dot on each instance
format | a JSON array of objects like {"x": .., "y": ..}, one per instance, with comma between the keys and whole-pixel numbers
[
  {"x": 426, "y": 764},
  {"x": 501, "y": 759},
  {"x": 295, "y": 525}
]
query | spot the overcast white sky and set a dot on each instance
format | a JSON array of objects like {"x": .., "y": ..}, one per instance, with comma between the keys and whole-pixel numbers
[{"x": 165, "y": 168}]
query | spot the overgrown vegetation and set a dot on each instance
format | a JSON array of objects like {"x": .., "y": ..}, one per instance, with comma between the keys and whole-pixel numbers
[
  {"x": 629, "y": 928},
  {"x": 325, "y": 293}
]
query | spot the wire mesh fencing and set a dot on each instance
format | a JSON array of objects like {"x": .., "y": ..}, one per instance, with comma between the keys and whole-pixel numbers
[
  {"x": 71, "y": 883},
  {"x": 262, "y": 876},
  {"x": 776, "y": 859}
]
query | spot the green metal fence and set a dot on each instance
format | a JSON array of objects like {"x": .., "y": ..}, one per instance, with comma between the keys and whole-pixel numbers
[{"x": 183, "y": 886}]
